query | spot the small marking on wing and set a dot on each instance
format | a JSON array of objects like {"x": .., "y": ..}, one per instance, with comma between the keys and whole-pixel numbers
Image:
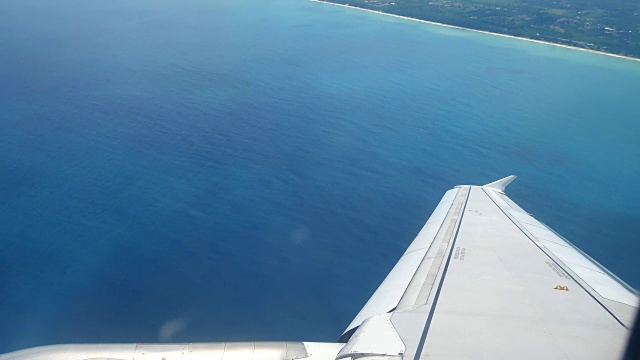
[
  {"x": 557, "y": 269},
  {"x": 459, "y": 253}
]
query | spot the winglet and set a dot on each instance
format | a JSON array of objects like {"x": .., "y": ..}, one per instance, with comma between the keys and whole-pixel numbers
[{"x": 501, "y": 184}]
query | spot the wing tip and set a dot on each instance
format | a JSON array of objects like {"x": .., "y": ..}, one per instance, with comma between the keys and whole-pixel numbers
[{"x": 501, "y": 184}]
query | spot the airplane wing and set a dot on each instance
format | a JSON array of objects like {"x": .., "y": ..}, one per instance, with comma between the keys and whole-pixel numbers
[
  {"x": 485, "y": 279},
  {"x": 482, "y": 280}
]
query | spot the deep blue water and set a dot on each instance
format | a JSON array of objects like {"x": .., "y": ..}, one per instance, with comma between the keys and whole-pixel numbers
[{"x": 251, "y": 170}]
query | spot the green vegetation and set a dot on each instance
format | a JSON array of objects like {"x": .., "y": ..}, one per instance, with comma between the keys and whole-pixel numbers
[{"x": 611, "y": 26}]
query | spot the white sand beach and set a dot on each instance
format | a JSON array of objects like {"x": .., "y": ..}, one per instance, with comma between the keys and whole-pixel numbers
[{"x": 480, "y": 31}]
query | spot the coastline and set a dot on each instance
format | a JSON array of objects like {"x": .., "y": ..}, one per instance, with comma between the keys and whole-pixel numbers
[{"x": 479, "y": 31}]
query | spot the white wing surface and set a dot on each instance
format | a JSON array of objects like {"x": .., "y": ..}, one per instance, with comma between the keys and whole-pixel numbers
[{"x": 484, "y": 279}]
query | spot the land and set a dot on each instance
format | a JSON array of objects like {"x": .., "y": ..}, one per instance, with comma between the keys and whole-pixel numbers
[{"x": 609, "y": 26}]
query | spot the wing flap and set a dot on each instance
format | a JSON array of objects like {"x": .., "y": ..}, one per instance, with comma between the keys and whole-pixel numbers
[{"x": 376, "y": 337}]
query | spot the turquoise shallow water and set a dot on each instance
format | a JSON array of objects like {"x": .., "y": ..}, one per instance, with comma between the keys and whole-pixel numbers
[{"x": 238, "y": 170}]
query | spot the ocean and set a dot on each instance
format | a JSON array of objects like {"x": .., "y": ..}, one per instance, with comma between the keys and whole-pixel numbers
[{"x": 231, "y": 170}]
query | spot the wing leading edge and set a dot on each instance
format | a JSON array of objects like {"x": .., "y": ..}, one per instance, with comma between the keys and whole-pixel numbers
[{"x": 485, "y": 278}]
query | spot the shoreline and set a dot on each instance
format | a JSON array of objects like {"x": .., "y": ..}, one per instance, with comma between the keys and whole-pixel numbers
[{"x": 479, "y": 31}]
